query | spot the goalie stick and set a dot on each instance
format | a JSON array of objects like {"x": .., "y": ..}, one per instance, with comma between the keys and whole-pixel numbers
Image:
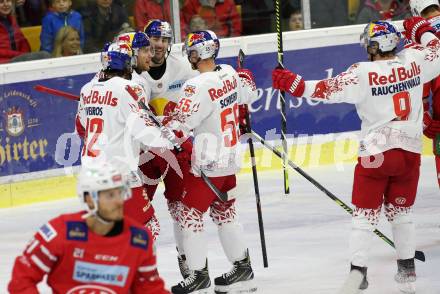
[
  {"x": 418, "y": 254},
  {"x": 173, "y": 139},
  {"x": 240, "y": 62}
]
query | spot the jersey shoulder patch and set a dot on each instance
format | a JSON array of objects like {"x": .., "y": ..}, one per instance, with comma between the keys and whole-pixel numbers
[
  {"x": 139, "y": 238},
  {"x": 76, "y": 231},
  {"x": 47, "y": 232}
]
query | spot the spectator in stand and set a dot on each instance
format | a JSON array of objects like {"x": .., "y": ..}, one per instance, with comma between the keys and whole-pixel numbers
[
  {"x": 383, "y": 10},
  {"x": 67, "y": 42},
  {"x": 102, "y": 20},
  {"x": 145, "y": 10},
  {"x": 221, "y": 16},
  {"x": 31, "y": 12},
  {"x": 12, "y": 41},
  {"x": 197, "y": 23},
  {"x": 60, "y": 15},
  {"x": 296, "y": 20},
  {"x": 328, "y": 13}
]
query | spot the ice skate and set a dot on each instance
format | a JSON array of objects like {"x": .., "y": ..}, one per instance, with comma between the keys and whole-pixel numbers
[
  {"x": 356, "y": 281},
  {"x": 240, "y": 279},
  {"x": 183, "y": 267},
  {"x": 196, "y": 282},
  {"x": 406, "y": 276}
]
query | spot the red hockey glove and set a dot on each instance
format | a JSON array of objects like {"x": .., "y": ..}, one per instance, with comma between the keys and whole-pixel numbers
[
  {"x": 415, "y": 27},
  {"x": 431, "y": 127},
  {"x": 285, "y": 80},
  {"x": 247, "y": 77},
  {"x": 185, "y": 154},
  {"x": 242, "y": 113}
]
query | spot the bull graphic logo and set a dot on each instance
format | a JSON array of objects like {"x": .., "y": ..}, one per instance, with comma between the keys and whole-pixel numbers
[
  {"x": 196, "y": 37},
  {"x": 15, "y": 122}
]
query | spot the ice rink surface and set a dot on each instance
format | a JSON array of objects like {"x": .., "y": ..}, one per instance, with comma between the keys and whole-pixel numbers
[{"x": 306, "y": 235}]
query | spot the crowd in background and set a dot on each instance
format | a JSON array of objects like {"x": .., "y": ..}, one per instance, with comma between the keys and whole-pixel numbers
[{"x": 72, "y": 27}]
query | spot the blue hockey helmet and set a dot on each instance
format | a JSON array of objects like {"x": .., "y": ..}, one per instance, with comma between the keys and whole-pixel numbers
[
  {"x": 158, "y": 28},
  {"x": 118, "y": 56}
]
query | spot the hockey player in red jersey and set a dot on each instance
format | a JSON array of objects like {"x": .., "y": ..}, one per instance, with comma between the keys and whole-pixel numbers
[
  {"x": 94, "y": 251},
  {"x": 208, "y": 108},
  {"x": 387, "y": 93},
  {"x": 430, "y": 10}
]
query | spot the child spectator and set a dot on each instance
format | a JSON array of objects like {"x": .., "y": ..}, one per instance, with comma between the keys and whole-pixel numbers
[
  {"x": 59, "y": 16},
  {"x": 383, "y": 10},
  {"x": 296, "y": 20},
  {"x": 67, "y": 42},
  {"x": 12, "y": 41},
  {"x": 221, "y": 15},
  {"x": 103, "y": 19}
]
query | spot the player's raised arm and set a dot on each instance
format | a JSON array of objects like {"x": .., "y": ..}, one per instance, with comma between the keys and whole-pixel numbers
[{"x": 420, "y": 31}]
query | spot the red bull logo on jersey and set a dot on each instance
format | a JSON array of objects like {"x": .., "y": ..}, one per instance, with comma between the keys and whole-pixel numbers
[
  {"x": 228, "y": 86},
  {"x": 96, "y": 98},
  {"x": 400, "y": 79},
  {"x": 397, "y": 75}
]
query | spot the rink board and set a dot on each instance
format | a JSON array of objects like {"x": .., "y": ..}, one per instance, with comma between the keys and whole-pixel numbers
[{"x": 36, "y": 129}]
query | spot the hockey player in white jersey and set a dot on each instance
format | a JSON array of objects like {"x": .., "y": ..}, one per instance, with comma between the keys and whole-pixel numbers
[
  {"x": 166, "y": 76},
  {"x": 143, "y": 52},
  {"x": 387, "y": 93},
  {"x": 208, "y": 107},
  {"x": 114, "y": 126}
]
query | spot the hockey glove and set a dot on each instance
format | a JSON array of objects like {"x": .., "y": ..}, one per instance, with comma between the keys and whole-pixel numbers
[
  {"x": 415, "y": 27},
  {"x": 431, "y": 127},
  {"x": 242, "y": 114},
  {"x": 186, "y": 145},
  {"x": 247, "y": 78},
  {"x": 285, "y": 80}
]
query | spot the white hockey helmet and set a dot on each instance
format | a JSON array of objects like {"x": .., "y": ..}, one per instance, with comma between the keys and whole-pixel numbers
[
  {"x": 99, "y": 176},
  {"x": 417, "y": 6},
  {"x": 205, "y": 43},
  {"x": 383, "y": 33}
]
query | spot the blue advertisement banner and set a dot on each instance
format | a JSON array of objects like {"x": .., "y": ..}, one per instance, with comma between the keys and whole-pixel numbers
[{"x": 31, "y": 122}]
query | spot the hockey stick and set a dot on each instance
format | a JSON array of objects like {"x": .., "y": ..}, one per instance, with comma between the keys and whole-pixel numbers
[
  {"x": 240, "y": 62},
  {"x": 173, "y": 139},
  {"x": 418, "y": 254},
  {"x": 282, "y": 97},
  {"x": 41, "y": 88}
]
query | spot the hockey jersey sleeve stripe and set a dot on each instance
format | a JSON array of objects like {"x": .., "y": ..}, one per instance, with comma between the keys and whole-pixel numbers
[
  {"x": 39, "y": 263},
  {"x": 144, "y": 269},
  {"x": 47, "y": 253},
  {"x": 32, "y": 246}
]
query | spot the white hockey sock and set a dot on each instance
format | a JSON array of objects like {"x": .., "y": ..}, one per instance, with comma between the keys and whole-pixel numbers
[
  {"x": 178, "y": 237},
  {"x": 230, "y": 231},
  {"x": 172, "y": 208},
  {"x": 403, "y": 230},
  {"x": 193, "y": 242},
  {"x": 195, "y": 248},
  {"x": 232, "y": 239},
  {"x": 364, "y": 222}
]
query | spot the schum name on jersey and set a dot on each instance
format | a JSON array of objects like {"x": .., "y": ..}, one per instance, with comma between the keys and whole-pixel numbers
[
  {"x": 228, "y": 100},
  {"x": 401, "y": 79}
]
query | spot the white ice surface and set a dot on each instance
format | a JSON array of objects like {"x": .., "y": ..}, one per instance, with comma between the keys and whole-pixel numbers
[{"x": 306, "y": 235}]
